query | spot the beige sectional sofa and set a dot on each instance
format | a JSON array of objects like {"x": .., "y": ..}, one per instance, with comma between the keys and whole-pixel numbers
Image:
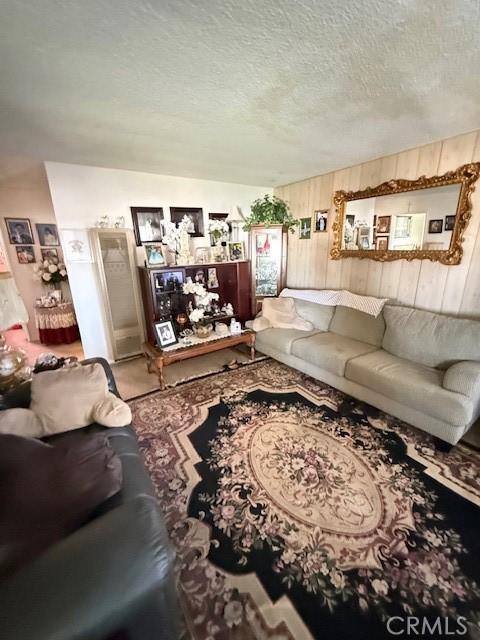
[{"x": 421, "y": 367}]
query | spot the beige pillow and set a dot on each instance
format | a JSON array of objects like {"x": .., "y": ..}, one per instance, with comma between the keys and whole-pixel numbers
[
  {"x": 20, "y": 422},
  {"x": 112, "y": 412},
  {"x": 282, "y": 314},
  {"x": 64, "y": 399}
]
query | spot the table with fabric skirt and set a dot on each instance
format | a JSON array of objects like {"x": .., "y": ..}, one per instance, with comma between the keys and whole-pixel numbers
[{"x": 57, "y": 325}]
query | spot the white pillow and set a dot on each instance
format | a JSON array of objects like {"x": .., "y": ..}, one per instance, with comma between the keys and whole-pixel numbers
[{"x": 280, "y": 313}]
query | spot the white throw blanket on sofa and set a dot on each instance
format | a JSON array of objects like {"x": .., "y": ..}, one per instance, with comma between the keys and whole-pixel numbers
[
  {"x": 331, "y": 297},
  {"x": 280, "y": 313}
]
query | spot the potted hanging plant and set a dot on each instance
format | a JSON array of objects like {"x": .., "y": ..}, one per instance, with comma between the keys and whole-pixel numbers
[{"x": 271, "y": 210}]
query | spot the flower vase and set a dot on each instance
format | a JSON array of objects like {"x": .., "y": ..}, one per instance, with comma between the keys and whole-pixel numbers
[{"x": 203, "y": 330}]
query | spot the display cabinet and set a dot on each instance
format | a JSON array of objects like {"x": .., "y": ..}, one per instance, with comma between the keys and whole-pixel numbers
[
  {"x": 268, "y": 252},
  {"x": 162, "y": 289}
]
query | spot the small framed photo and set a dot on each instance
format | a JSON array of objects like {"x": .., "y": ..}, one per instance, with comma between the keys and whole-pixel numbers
[
  {"x": 49, "y": 254},
  {"x": 147, "y": 224},
  {"x": 165, "y": 333},
  {"x": 435, "y": 226},
  {"x": 236, "y": 251},
  {"x": 48, "y": 235},
  {"x": 212, "y": 282},
  {"x": 383, "y": 224},
  {"x": 155, "y": 256},
  {"x": 25, "y": 255},
  {"x": 76, "y": 245},
  {"x": 381, "y": 243},
  {"x": 195, "y": 214},
  {"x": 449, "y": 223},
  {"x": 19, "y": 230},
  {"x": 320, "y": 218},
  {"x": 305, "y": 228},
  {"x": 202, "y": 255}
]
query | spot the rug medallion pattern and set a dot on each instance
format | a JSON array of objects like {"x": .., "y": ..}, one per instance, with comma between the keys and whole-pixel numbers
[{"x": 298, "y": 512}]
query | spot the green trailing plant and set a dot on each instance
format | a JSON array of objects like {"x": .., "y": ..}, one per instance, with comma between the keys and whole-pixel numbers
[{"x": 271, "y": 210}]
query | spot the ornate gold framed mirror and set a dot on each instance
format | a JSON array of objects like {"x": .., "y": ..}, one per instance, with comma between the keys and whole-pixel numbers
[{"x": 421, "y": 219}]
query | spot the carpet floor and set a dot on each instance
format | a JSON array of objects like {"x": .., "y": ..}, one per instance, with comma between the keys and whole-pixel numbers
[{"x": 298, "y": 512}]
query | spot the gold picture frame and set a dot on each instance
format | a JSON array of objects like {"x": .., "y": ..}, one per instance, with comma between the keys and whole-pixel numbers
[{"x": 466, "y": 176}]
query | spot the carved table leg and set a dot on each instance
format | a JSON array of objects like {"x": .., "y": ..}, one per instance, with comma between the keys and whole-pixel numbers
[
  {"x": 161, "y": 379},
  {"x": 252, "y": 348}
]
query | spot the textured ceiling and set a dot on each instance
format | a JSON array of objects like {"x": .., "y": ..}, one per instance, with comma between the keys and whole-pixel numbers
[{"x": 261, "y": 92}]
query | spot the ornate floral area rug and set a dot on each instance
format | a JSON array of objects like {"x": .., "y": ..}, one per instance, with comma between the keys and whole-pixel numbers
[{"x": 298, "y": 512}]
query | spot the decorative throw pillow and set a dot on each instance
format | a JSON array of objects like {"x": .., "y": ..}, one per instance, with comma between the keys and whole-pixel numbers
[
  {"x": 20, "y": 422},
  {"x": 46, "y": 491},
  {"x": 280, "y": 313},
  {"x": 74, "y": 397}
]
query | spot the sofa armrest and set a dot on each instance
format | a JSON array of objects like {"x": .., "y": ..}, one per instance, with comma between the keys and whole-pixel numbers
[
  {"x": 260, "y": 323},
  {"x": 96, "y": 581},
  {"x": 463, "y": 377}
]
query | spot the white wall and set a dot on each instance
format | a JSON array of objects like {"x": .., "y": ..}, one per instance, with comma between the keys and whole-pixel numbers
[
  {"x": 24, "y": 193},
  {"x": 82, "y": 194}
]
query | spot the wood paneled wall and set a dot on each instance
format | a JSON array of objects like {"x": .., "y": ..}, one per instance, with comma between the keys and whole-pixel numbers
[{"x": 420, "y": 283}]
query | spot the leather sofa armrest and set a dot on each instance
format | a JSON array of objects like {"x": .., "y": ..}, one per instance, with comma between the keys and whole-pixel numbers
[
  {"x": 112, "y": 385},
  {"x": 96, "y": 581},
  {"x": 463, "y": 377}
]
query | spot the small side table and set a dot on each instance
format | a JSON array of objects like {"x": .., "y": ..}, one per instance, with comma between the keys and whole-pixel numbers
[{"x": 57, "y": 325}]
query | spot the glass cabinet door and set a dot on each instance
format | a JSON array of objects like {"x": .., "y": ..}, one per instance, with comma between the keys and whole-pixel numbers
[{"x": 267, "y": 261}]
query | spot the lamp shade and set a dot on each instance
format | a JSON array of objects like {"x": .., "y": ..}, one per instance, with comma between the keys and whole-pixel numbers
[{"x": 235, "y": 215}]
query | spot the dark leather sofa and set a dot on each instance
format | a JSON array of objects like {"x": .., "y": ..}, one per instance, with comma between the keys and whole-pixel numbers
[{"x": 112, "y": 578}]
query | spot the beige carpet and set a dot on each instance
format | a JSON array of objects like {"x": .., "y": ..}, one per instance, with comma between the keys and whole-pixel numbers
[{"x": 134, "y": 380}]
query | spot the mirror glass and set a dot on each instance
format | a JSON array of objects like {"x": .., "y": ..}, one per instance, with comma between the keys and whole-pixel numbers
[{"x": 408, "y": 221}]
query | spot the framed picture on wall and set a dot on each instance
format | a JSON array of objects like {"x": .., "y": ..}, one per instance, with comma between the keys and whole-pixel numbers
[
  {"x": 19, "y": 231},
  {"x": 25, "y": 255},
  {"x": 435, "y": 226},
  {"x": 76, "y": 245},
  {"x": 381, "y": 243},
  {"x": 449, "y": 223},
  {"x": 320, "y": 218},
  {"x": 195, "y": 214},
  {"x": 147, "y": 224},
  {"x": 49, "y": 254},
  {"x": 305, "y": 228},
  {"x": 48, "y": 235},
  {"x": 383, "y": 224}
]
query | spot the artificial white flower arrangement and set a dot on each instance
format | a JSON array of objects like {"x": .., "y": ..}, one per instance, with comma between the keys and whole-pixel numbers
[
  {"x": 51, "y": 271},
  {"x": 203, "y": 299},
  {"x": 217, "y": 228},
  {"x": 172, "y": 233},
  {"x": 194, "y": 287}
]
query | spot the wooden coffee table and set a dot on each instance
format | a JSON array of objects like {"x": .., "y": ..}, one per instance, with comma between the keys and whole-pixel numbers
[{"x": 158, "y": 358}]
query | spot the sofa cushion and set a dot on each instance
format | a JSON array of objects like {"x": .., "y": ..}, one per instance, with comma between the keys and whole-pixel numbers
[
  {"x": 280, "y": 339},
  {"x": 329, "y": 351},
  {"x": 319, "y": 315},
  {"x": 429, "y": 338},
  {"x": 411, "y": 384},
  {"x": 358, "y": 325}
]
